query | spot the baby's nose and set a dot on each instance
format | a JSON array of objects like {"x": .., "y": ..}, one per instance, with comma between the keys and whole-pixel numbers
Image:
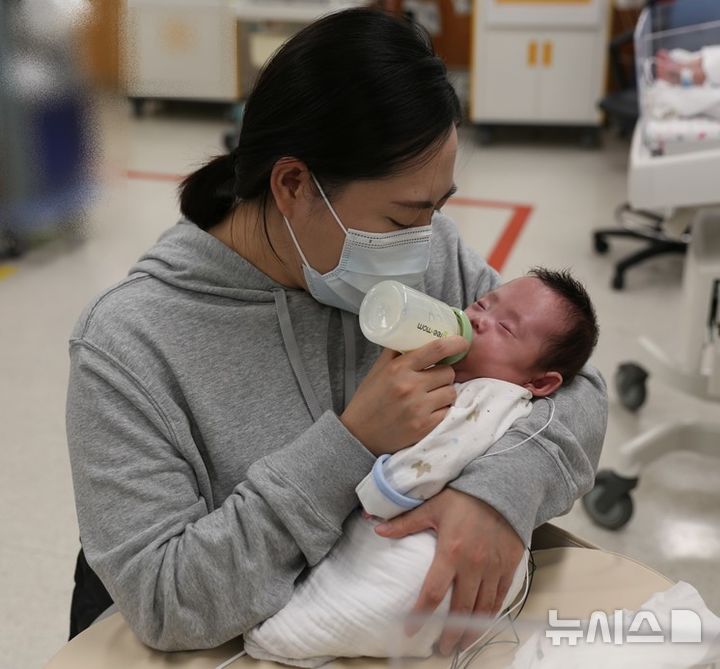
[{"x": 480, "y": 323}]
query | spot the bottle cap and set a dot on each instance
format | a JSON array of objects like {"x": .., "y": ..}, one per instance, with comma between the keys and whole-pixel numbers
[{"x": 465, "y": 331}]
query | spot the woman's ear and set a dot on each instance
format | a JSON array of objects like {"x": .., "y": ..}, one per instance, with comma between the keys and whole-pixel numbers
[
  {"x": 292, "y": 187},
  {"x": 544, "y": 385}
]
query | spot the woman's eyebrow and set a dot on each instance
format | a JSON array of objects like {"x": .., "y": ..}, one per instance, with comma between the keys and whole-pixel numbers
[{"x": 426, "y": 204}]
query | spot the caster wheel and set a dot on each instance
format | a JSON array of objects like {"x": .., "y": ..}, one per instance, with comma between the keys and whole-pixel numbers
[
  {"x": 230, "y": 140},
  {"x": 612, "y": 516},
  {"x": 11, "y": 246},
  {"x": 631, "y": 385},
  {"x": 601, "y": 246},
  {"x": 484, "y": 135},
  {"x": 618, "y": 282},
  {"x": 591, "y": 139},
  {"x": 138, "y": 107}
]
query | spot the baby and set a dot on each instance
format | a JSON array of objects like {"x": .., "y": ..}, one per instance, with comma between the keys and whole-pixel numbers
[
  {"x": 687, "y": 85},
  {"x": 531, "y": 335}
]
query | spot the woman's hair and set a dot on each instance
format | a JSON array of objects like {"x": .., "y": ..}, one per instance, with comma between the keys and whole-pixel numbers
[{"x": 358, "y": 94}]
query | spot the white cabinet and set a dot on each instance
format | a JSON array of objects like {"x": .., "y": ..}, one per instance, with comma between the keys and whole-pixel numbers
[
  {"x": 509, "y": 81},
  {"x": 570, "y": 80},
  {"x": 539, "y": 74},
  {"x": 181, "y": 49}
]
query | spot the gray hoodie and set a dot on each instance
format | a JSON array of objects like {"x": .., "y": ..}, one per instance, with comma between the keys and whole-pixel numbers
[{"x": 209, "y": 464}]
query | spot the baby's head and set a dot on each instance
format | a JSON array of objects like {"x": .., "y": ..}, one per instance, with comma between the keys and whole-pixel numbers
[{"x": 536, "y": 331}]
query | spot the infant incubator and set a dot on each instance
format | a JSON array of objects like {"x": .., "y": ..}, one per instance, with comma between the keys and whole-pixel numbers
[{"x": 678, "y": 72}]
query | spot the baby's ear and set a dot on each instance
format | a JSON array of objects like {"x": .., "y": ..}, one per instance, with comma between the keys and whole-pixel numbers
[{"x": 544, "y": 385}]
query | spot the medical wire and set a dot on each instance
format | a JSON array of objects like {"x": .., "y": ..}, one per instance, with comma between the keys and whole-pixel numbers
[
  {"x": 532, "y": 436},
  {"x": 462, "y": 659},
  {"x": 229, "y": 661},
  {"x": 458, "y": 659}
]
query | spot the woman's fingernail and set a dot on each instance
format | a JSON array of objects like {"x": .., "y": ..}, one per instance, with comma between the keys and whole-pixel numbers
[{"x": 383, "y": 528}]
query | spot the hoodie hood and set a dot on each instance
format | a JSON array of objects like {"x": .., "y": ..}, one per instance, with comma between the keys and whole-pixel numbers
[{"x": 190, "y": 258}]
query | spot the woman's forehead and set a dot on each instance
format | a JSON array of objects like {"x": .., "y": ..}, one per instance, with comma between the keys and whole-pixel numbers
[{"x": 429, "y": 181}]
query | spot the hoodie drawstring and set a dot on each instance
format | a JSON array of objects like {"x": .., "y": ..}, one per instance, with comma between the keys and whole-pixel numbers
[
  {"x": 349, "y": 334},
  {"x": 293, "y": 351}
]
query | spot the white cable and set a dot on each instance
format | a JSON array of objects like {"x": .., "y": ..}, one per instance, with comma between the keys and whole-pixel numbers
[
  {"x": 464, "y": 657},
  {"x": 227, "y": 663},
  {"x": 461, "y": 657},
  {"x": 532, "y": 436}
]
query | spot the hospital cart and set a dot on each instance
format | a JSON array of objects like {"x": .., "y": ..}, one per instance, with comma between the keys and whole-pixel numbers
[{"x": 673, "y": 166}]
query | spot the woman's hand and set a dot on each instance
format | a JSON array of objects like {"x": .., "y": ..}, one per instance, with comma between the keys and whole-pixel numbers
[
  {"x": 401, "y": 401},
  {"x": 477, "y": 553}
]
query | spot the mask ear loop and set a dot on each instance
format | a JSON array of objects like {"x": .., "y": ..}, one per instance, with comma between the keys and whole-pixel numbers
[
  {"x": 327, "y": 202},
  {"x": 295, "y": 241}
]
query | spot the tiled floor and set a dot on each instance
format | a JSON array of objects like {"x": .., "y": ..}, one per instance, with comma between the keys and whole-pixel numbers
[{"x": 572, "y": 190}]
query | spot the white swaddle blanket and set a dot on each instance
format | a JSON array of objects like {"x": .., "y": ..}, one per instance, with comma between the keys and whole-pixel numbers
[{"x": 350, "y": 604}]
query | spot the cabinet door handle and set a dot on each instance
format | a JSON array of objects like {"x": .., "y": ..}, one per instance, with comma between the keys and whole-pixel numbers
[
  {"x": 532, "y": 54},
  {"x": 547, "y": 54}
]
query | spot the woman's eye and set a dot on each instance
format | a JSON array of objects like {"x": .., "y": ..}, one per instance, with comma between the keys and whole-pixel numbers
[{"x": 506, "y": 328}]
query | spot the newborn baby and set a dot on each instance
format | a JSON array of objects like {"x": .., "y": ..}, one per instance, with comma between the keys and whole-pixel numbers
[{"x": 531, "y": 335}]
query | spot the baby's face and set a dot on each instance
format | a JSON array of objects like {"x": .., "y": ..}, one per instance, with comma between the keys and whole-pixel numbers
[{"x": 511, "y": 325}]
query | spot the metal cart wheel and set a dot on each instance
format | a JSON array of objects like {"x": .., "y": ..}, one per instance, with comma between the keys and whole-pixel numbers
[
  {"x": 485, "y": 135},
  {"x": 631, "y": 385},
  {"x": 591, "y": 138},
  {"x": 609, "y": 504},
  {"x": 138, "y": 107}
]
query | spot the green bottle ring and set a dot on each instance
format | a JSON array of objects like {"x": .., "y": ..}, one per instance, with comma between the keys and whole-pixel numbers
[{"x": 465, "y": 331}]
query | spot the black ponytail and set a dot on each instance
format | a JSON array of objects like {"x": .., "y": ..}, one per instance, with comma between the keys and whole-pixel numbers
[
  {"x": 359, "y": 94},
  {"x": 207, "y": 195}
]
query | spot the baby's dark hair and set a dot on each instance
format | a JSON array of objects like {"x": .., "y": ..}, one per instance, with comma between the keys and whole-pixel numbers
[{"x": 568, "y": 352}]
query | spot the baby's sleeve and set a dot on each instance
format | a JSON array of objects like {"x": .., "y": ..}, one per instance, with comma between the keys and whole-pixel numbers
[{"x": 483, "y": 411}]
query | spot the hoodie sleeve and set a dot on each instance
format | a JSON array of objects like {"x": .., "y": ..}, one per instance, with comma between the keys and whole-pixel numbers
[
  {"x": 542, "y": 478},
  {"x": 184, "y": 574}
]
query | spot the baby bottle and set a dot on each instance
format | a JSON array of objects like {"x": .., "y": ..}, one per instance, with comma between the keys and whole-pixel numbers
[{"x": 403, "y": 319}]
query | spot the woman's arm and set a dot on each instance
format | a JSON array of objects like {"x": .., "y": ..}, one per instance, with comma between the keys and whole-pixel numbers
[
  {"x": 542, "y": 478},
  {"x": 185, "y": 570},
  {"x": 486, "y": 515}
]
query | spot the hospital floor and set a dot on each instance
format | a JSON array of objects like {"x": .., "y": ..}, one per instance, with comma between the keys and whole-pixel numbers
[{"x": 546, "y": 188}]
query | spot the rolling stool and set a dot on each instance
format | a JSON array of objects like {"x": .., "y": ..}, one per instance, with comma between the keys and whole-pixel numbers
[{"x": 643, "y": 225}]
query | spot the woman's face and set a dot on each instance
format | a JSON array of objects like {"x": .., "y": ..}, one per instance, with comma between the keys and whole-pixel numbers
[{"x": 378, "y": 205}]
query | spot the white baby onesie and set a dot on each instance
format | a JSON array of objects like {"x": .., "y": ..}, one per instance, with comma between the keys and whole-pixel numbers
[
  {"x": 353, "y": 602},
  {"x": 482, "y": 412}
]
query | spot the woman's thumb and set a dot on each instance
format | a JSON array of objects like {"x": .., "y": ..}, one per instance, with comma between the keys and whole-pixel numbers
[{"x": 408, "y": 523}]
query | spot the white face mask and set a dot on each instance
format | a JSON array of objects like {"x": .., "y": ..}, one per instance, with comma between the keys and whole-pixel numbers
[{"x": 366, "y": 259}]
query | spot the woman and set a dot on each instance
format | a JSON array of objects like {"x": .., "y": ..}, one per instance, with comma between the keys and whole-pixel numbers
[{"x": 223, "y": 404}]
